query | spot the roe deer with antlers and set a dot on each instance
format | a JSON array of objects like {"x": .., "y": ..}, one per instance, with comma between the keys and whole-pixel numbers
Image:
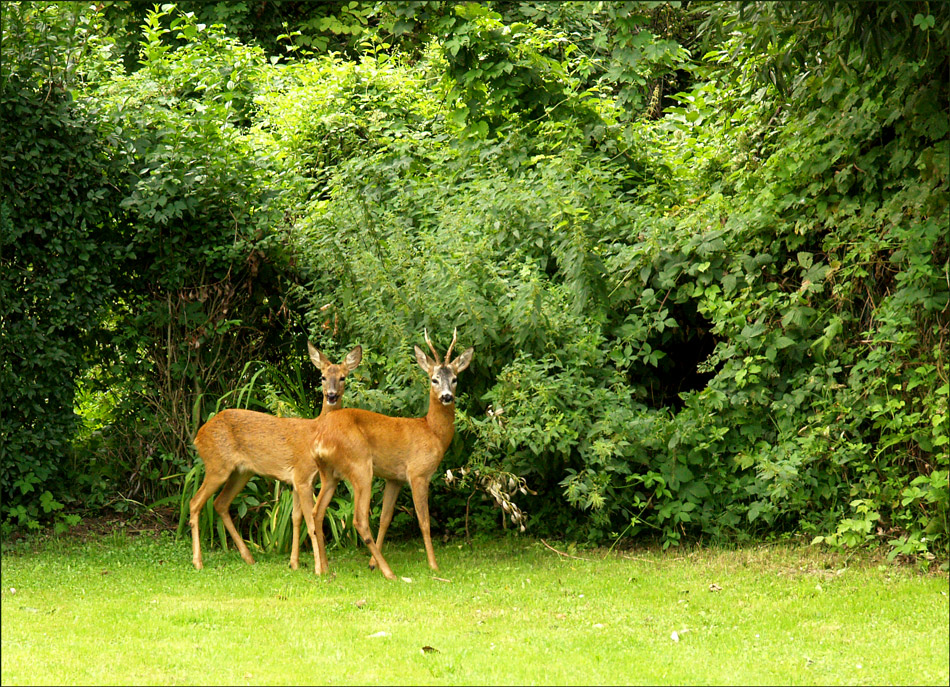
[
  {"x": 402, "y": 449},
  {"x": 236, "y": 444}
]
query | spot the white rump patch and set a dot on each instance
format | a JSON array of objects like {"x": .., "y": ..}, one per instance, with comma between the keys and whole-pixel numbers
[{"x": 320, "y": 450}]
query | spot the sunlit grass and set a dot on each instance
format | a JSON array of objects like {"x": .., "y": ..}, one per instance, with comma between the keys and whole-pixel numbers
[{"x": 119, "y": 610}]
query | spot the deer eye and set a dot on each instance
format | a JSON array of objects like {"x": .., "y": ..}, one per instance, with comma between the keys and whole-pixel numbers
[
  {"x": 454, "y": 379},
  {"x": 435, "y": 381},
  {"x": 342, "y": 377}
]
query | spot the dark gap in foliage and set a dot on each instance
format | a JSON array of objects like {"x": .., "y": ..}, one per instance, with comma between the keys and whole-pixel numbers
[
  {"x": 686, "y": 347},
  {"x": 677, "y": 81},
  {"x": 888, "y": 134}
]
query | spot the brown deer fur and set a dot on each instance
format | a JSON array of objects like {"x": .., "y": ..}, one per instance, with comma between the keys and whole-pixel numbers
[{"x": 402, "y": 449}]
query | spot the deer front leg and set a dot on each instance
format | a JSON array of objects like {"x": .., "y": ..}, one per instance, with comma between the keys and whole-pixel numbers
[
  {"x": 362, "y": 490},
  {"x": 386, "y": 516},
  {"x": 420, "y": 499},
  {"x": 327, "y": 488},
  {"x": 305, "y": 494}
]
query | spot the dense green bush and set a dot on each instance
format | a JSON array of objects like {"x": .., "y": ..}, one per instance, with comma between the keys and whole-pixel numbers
[
  {"x": 60, "y": 227},
  {"x": 141, "y": 257},
  {"x": 819, "y": 253}
]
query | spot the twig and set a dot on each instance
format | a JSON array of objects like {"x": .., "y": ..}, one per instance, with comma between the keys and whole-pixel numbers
[
  {"x": 637, "y": 558},
  {"x": 468, "y": 537},
  {"x": 561, "y": 553}
]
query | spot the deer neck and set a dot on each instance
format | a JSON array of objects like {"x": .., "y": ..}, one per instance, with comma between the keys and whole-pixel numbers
[
  {"x": 441, "y": 419},
  {"x": 327, "y": 407}
]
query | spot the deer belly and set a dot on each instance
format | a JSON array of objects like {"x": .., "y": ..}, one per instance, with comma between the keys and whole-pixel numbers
[
  {"x": 276, "y": 468},
  {"x": 392, "y": 470}
]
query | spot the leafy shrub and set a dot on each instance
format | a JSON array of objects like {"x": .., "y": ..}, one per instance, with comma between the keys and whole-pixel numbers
[
  {"x": 201, "y": 294},
  {"x": 60, "y": 228}
]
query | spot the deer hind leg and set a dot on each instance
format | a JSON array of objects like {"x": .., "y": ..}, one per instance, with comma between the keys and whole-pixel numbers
[
  {"x": 386, "y": 516},
  {"x": 420, "y": 499},
  {"x": 362, "y": 490},
  {"x": 327, "y": 488},
  {"x": 236, "y": 482},
  {"x": 209, "y": 485}
]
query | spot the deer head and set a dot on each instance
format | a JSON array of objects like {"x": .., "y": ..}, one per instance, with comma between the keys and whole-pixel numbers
[
  {"x": 443, "y": 375},
  {"x": 334, "y": 375}
]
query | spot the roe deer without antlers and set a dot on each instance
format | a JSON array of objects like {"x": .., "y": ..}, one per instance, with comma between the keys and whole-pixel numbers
[
  {"x": 402, "y": 449},
  {"x": 236, "y": 444}
]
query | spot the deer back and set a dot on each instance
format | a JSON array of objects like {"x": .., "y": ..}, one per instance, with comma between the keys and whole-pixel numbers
[
  {"x": 249, "y": 441},
  {"x": 398, "y": 446}
]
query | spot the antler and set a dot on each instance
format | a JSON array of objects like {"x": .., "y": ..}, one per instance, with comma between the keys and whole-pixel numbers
[
  {"x": 438, "y": 360},
  {"x": 448, "y": 353}
]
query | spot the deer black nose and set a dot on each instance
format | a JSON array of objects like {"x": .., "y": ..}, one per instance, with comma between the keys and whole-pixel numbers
[
  {"x": 446, "y": 398},
  {"x": 333, "y": 398}
]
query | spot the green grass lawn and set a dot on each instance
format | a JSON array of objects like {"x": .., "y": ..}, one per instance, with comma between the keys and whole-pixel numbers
[{"x": 131, "y": 610}]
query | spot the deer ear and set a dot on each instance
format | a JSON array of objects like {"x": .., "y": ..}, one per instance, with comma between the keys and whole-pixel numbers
[
  {"x": 463, "y": 360},
  {"x": 354, "y": 357},
  {"x": 425, "y": 362},
  {"x": 317, "y": 357}
]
